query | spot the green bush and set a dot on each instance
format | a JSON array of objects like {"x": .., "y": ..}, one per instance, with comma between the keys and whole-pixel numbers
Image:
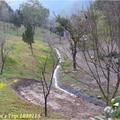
[
  {"x": 114, "y": 109},
  {"x": 117, "y": 108}
]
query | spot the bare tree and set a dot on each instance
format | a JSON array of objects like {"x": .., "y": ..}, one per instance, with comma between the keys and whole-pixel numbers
[
  {"x": 45, "y": 81},
  {"x": 4, "y": 51},
  {"x": 103, "y": 60},
  {"x": 112, "y": 15},
  {"x": 74, "y": 26}
]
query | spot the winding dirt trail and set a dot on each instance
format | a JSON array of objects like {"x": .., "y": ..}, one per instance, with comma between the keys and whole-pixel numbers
[{"x": 70, "y": 106}]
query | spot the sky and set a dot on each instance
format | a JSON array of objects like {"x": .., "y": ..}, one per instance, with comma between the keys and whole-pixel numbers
[{"x": 57, "y": 6}]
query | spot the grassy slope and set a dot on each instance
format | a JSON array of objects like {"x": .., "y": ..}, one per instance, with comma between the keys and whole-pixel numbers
[{"x": 20, "y": 63}]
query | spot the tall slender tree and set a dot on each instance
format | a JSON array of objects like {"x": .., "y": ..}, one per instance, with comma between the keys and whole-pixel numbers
[
  {"x": 28, "y": 36},
  {"x": 46, "y": 82},
  {"x": 74, "y": 26},
  {"x": 4, "y": 51}
]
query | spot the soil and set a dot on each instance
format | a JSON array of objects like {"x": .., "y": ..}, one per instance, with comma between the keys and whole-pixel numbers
[{"x": 76, "y": 108}]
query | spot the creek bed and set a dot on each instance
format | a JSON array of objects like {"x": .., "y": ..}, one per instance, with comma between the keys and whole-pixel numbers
[
  {"x": 80, "y": 93},
  {"x": 71, "y": 90}
]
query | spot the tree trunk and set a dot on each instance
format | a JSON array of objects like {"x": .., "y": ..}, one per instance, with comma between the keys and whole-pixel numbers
[
  {"x": 46, "y": 110},
  {"x": 3, "y": 60},
  {"x": 2, "y": 67},
  {"x": 74, "y": 62},
  {"x": 108, "y": 84},
  {"x": 31, "y": 48},
  {"x": 74, "y": 56}
]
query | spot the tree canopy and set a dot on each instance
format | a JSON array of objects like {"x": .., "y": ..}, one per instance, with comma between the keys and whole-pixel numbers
[
  {"x": 17, "y": 18},
  {"x": 34, "y": 13}
]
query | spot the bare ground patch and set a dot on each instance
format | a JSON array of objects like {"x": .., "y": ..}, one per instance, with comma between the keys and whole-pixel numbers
[{"x": 73, "y": 107}]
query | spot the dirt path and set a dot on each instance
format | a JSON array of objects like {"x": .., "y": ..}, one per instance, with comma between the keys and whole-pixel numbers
[{"x": 70, "y": 106}]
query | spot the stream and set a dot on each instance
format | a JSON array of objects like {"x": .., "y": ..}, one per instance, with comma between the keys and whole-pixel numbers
[{"x": 70, "y": 90}]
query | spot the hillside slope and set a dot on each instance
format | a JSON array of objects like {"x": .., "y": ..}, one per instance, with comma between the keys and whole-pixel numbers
[{"x": 21, "y": 64}]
